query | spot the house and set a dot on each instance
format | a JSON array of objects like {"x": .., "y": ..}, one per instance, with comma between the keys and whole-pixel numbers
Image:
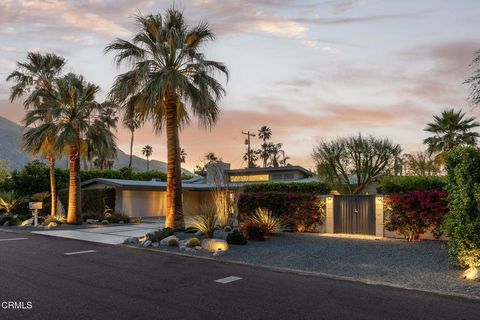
[{"x": 148, "y": 198}]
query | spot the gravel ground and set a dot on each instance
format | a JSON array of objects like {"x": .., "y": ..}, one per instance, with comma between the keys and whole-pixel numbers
[{"x": 418, "y": 265}]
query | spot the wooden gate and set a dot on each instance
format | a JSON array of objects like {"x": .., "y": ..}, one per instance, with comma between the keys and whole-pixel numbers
[{"x": 354, "y": 214}]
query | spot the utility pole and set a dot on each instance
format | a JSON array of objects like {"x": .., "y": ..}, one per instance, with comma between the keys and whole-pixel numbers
[{"x": 247, "y": 142}]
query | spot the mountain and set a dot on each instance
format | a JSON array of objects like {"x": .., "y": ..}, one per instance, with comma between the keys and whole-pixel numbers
[{"x": 11, "y": 133}]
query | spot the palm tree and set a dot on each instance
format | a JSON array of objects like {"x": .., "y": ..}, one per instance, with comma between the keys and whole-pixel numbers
[
  {"x": 183, "y": 155},
  {"x": 131, "y": 121},
  {"x": 450, "y": 130},
  {"x": 264, "y": 133},
  {"x": 276, "y": 154},
  {"x": 81, "y": 124},
  {"x": 168, "y": 72},
  {"x": 34, "y": 78},
  {"x": 147, "y": 152}
]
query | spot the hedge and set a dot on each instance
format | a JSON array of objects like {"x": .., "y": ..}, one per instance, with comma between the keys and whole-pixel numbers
[
  {"x": 391, "y": 185},
  {"x": 462, "y": 224},
  {"x": 301, "y": 212},
  {"x": 293, "y": 187},
  {"x": 93, "y": 200}
]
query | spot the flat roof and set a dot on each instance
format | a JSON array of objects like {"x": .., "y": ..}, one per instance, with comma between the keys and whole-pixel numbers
[{"x": 271, "y": 169}]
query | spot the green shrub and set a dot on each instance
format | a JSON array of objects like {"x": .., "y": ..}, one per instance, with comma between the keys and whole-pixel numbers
[
  {"x": 236, "y": 237},
  {"x": 104, "y": 222},
  {"x": 462, "y": 224},
  {"x": 15, "y": 221},
  {"x": 304, "y": 211},
  {"x": 160, "y": 234},
  {"x": 294, "y": 187},
  {"x": 113, "y": 217},
  {"x": 253, "y": 230},
  {"x": 391, "y": 184},
  {"x": 58, "y": 219}
]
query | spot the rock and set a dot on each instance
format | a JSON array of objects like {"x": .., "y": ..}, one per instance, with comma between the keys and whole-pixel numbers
[
  {"x": 183, "y": 248},
  {"x": 471, "y": 273},
  {"x": 130, "y": 240},
  {"x": 27, "y": 222},
  {"x": 218, "y": 253},
  {"x": 198, "y": 248},
  {"x": 52, "y": 224},
  {"x": 191, "y": 242},
  {"x": 169, "y": 242},
  {"x": 150, "y": 236},
  {"x": 146, "y": 243},
  {"x": 213, "y": 245},
  {"x": 190, "y": 250},
  {"x": 91, "y": 221},
  {"x": 143, "y": 239},
  {"x": 121, "y": 222},
  {"x": 199, "y": 233},
  {"x": 6, "y": 223},
  {"x": 155, "y": 244}
]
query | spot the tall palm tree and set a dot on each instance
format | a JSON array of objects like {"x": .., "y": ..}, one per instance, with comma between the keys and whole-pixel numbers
[
  {"x": 132, "y": 123},
  {"x": 33, "y": 78},
  {"x": 265, "y": 134},
  {"x": 169, "y": 73},
  {"x": 276, "y": 154},
  {"x": 450, "y": 129},
  {"x": 81, "y": 123},
  {"x": 147, "y": 152}
]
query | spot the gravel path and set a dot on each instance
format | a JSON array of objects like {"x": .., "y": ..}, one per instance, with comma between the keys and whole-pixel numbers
[{"x": 418, "y": 265}]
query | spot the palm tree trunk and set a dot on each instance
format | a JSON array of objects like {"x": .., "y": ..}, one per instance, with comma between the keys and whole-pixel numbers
[
  {"x": 53, "y": 186},
  {"x": 74, "y": 204},
  {"x": 148, "y": 165},
  {"x": 174, "y": 215},
  {"x": 131, "y": 151}
]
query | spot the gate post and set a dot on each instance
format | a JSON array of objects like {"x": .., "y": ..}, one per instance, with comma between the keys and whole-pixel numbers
[
  {"x": 329, "y": 214},
  {"x": 379, "y": 216}
]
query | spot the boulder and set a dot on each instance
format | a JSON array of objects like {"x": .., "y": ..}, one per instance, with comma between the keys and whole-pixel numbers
[
  {"x": 471, "y": 273},
  {"x": 218, "y": 253},
  {"x": 190, "y": 250},
  {"x": 147, "y": 243},
  {"x": 198, "y": 248},
  {"x": 191, "y": 242},
  {"x": 6, "y": 223},
  {"x": 213, "y": 245},
  {"x": 130, "y": 240},
  {"x": 155, "y": 244},
  {"x": 169, "y": 241},
  {"x": 27, "y": 222},
  {"x": 91, "y": 221}
]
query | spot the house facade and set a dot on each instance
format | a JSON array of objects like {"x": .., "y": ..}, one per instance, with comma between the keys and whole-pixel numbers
[{"x": 149, "y": 198}]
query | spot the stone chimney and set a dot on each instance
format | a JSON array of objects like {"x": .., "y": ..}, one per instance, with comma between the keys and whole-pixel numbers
[{"x": 216, "y": 172}]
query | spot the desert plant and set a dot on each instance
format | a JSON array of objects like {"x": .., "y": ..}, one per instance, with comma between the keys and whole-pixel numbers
[
  {"x": 8, "y": 201},
  {"x": 104, "y": 222},
  {"x": 266, "y": 218},
  {"x": 113, "y": 217},
  {"x": 253, "y": 230},
  {"x": 160, "y": 234},
  {"x": 58, "y": 219},
  {"x": 206, "y": 220},
  {"x": 236, "y": 237},
  {"x": 172, "y": 242}
]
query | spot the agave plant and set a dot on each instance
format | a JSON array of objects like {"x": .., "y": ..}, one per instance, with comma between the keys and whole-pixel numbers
[
  {"x": 266, "y": 218},
  {"x": 206, "y": 220},
  {"x": 8, "y": 201}
]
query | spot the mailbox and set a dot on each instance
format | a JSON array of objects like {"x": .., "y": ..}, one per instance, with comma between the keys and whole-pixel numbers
[{"x": 35, "y": 205}]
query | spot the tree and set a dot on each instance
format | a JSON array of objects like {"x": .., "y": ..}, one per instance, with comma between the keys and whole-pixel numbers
[
  {"x": 183, "y": 155},
  {"x": 132, "y": 122},
  {"x": 277, "y": 154},
  {"x": 209, "y": 157},
  {"x": 34, "y": 79},
  {"x": 4, "y": 171},
  {"x": 147, "y": 152},
  {"x": 81, "y": 124},
  {"x": 351, "y": 164},
  {"x": 474, "y": 81},
  {"x": 252, "y": 159},
  {"x": 169, "y": 73},
  {"x": 264, "y": 133},
  {"x": 421, "y": 164},
  {"x": 450, "y": 129}
]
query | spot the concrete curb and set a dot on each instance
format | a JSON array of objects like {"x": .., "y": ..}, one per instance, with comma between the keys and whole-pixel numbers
[{"x": 308, "y": 273}]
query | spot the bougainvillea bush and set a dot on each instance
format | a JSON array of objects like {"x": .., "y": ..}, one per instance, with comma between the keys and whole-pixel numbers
[
  {"x": 301, "y": 212},
  {"x": 414, "y": 213}
]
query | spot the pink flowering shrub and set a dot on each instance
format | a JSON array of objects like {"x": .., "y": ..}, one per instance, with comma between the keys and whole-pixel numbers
[{"x": 413, "y": 213}]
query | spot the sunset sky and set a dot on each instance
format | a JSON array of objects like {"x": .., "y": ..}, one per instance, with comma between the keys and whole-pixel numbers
[{"x": 310, "y": 70}]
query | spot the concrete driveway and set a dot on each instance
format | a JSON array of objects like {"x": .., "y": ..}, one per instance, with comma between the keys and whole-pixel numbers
[{"x": 110, "y": 234}]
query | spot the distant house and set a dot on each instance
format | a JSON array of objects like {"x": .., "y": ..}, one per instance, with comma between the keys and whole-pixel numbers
[{"x": 148, "y": 198}]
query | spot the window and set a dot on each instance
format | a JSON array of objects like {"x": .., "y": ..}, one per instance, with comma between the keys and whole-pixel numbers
[
  {"x": 282, "y": 176},
  {"x": 250, "y": 178}
]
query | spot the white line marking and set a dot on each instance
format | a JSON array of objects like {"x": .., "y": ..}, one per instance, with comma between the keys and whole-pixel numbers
[
  {"x": 79, "y": 252},
  {"x": 13, "y": 239},
  {"x": 228, "y": 279}
]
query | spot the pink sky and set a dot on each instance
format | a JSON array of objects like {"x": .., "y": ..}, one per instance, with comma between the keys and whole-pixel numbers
[{"x": 310, "y": 70}]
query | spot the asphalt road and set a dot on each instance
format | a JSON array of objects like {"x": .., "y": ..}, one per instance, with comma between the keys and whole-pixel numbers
[{"x": 124, "y": 283}]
